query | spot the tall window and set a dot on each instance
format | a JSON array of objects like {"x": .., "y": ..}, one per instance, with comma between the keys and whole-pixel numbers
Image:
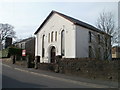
[
  {"x": 106, "y": 41},
  {"x": 106, "y": 54},
  {"x": 99, "y": 53},
  {"x": 63, "y": 43},
  {"x": 90, "y": 36},
  {"x": 51, "y": 36},
  {"x": 90, "y": 51},
  {"x": 56, "y": 36},
  {"x": 43, "y": 48},
  {"x": 22, "y": 46},
  {"x": 99, "y": 39}
]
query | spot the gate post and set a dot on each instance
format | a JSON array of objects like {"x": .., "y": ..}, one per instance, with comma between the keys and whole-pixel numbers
[
  {"x": 57, "y": 59},
  {"x": 37, "y": 60},
  {"x": 28, "y": 61},
  {"x": 13, "y": 59}
]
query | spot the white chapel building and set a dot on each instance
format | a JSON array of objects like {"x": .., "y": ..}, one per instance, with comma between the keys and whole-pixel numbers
[{"x": 63, "y": 35}]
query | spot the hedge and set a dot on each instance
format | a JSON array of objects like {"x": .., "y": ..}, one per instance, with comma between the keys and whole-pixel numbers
[
  {"x": 15, "y": 51},
  {"x": 10, "y": 51}
]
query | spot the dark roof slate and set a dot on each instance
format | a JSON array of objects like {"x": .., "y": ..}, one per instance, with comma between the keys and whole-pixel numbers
[
  {"x": 24, "y": 40},
  {"x": 73, "y": 20}
]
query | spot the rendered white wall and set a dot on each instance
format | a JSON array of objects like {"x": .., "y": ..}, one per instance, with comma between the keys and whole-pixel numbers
[
  {"x": 76, "y": 39},
  {"x": 81, "y": 42},
  {"x": 56, "y": 23}
]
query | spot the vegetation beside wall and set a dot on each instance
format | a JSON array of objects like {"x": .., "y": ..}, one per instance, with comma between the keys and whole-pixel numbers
[
  {"x": 15, "y": 51},
  {"x": 4, "y": 53},
  {"x": 10, "y": 51}
]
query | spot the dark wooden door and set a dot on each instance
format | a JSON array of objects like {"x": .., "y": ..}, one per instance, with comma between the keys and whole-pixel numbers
[{"x": 53, "y": 54}]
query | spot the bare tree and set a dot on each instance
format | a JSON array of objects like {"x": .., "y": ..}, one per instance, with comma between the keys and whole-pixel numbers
[
  {"x": 6, "y": 30},
  {"x": 106, "y": 23},
  {"x": 101, "y": 46}
]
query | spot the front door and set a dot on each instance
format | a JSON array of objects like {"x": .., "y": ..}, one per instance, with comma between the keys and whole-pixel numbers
[{"x": 53, "y": 54}]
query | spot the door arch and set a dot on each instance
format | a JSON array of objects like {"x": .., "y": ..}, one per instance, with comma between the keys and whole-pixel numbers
[{"x": 52, "y": 54}]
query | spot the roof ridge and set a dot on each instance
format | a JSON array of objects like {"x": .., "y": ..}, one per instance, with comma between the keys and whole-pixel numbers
[{"x": 74, "y": 20}]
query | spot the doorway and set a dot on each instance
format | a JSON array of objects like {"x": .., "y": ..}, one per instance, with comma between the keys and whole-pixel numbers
[{"x": 52, "y": 54}]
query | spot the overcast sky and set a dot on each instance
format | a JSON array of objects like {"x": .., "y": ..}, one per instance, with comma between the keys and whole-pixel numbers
[{"x": 26, "y": 17}]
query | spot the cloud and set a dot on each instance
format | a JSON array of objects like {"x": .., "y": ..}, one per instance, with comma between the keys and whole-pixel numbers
[
  {"x": 26, "y": 17},
  {"x": 25, "y": 31}
]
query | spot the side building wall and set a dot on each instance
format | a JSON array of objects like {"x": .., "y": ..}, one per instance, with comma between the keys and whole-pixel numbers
[
  {"x": 81, "y": 42},
  {"x": 99, "y": 46}
]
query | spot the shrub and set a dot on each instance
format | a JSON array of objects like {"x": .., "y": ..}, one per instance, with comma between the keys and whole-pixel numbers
[
  {"x": 15, "y": 51},
  {"x": 11, "y": 51},
  {"x": 4, "y": 53}
]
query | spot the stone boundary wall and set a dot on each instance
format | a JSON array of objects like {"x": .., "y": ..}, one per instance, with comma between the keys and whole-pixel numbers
[
  {"x": 88, "y": 68},
  {"x": 84, "y": 67},
  {"x": 91, "y": 68}
]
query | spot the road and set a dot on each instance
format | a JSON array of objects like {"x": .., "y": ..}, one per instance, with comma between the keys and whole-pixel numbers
[{"x": 18, "y": 77}]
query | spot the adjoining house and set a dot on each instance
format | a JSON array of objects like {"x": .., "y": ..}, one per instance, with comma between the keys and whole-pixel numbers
[
  {"x": 116, "y": 52},
  {"x": 27, "y": 44},
  {"x": 62, "y": 35}
]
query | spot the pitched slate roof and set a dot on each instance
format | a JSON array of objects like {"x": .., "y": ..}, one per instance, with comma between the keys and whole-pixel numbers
[
  {"x": 25, "y": 40},
  {"x": 73, "y": 20}
]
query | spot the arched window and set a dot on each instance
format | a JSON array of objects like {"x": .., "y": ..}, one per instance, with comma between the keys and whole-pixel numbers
[
  {"x": 98, "y": 39},
  {"x": 90, "y": 52},
  {"x": 43, "y": 48},
  {"x": 51, "y": 36},
  {"x": 63, "y": 43},
  {"x": 90, "y": 37},
  {"x": 56, "y": 36}
]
